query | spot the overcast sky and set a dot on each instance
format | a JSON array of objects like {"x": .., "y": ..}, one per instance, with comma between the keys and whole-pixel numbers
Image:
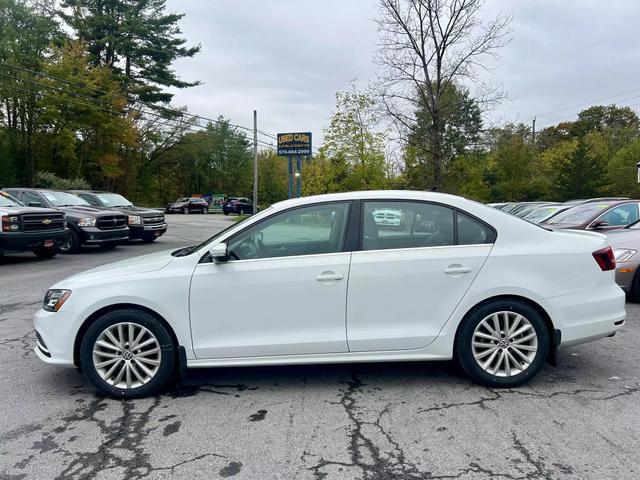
[{"x": 287, "y": 58}]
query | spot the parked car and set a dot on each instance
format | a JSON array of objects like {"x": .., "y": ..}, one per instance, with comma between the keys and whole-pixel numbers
[
  {"x": 523, "y": 208},
  {"x": 87, "y": 225},
  {"x": 591, "y": 200},
  {"x": 40, "y": 230},
  {"x": 626, "y": 245},
  {"x": 238, "y": 205},
  {"x": 144, "y": 223},
  {"x": 494, "y": 292},
  {"x": 188, "y": 205},
  {"x": 388, "y": 217},
  {"x": 599, "y": 215},
  {"x": 543, "y": 213}
]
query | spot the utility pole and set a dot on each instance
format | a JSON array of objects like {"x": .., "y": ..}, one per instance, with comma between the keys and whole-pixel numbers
[
  {"x": 533, "y": 130},
  {"x": 255, "y": 161}
]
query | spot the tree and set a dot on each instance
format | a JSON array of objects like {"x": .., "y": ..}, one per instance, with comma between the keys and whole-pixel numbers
[
  {"x": 353, "y": 144},
  {"x": 273, "y": 178},
  {"x": 622, "y": 171},
  {"x": 136, "y": 39},
  {"x": 426, "y": 46},
  {"x": 461, "y": 124},
  {"x": 580, "y": 170}
]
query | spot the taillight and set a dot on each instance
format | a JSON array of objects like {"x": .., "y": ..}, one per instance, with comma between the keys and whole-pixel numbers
[{"x": 605, "y": 258}]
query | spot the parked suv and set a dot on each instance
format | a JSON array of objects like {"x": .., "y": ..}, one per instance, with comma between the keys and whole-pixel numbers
[
  {"x": 87, "y": 225},
  {"x": 239, "y": 205},
  {"x": 188, "y": 205},
  {"x": 41, "y": 230},
  {"x": 144, "y": 223}
]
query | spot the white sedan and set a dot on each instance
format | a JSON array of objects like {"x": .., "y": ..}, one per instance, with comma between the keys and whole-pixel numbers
[{"x": 316, "y": 280}]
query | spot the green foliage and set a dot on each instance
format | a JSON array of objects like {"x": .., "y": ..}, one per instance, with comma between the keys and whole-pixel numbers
[
  {"x": 622, "y": 171},
  {"x": 51, "y": 180},
  {"x": 136, "y": 39},
  {"x": 437, "y": 140}
]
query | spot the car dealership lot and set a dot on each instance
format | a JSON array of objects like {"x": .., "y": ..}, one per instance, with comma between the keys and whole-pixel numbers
[{"x": 395, "y": 420}]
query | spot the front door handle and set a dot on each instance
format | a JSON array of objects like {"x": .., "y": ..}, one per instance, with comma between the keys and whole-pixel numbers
[
  {"x": 456, "y": 270},
  {"x": 329, "y": 277}
]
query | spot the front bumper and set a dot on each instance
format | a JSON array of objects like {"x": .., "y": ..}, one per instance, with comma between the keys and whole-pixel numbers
[
  {"x": 625, "y": 274},
  {"x": 142, "y": 231},
  {"x": 95, "y": 236},
  {"x": 24, "y": 241},
  {"x": 55, "y": 334}
]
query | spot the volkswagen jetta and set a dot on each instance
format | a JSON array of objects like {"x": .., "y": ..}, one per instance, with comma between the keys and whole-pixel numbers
[{"x": 327, "y": 283}]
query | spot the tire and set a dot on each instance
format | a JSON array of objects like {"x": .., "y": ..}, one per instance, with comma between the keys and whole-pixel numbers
[
  {"x": 131, "y": 387},
  {"x": 108, "y": 246},
  {"x": 498, "y": 373},
  {"x": 185, "y": 210},
  {"x": 226, "y": 212},
  {"x": 149, "y": 239},
  {"x": 204, "y": 210},
  {"x": 634, "y": 290},
  {"x": 72, "y": 244},
  {"x": 43, "y": 252}
]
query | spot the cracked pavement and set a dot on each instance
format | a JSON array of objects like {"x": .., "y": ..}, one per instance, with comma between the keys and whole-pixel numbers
[{"x": 580, "y": 420}]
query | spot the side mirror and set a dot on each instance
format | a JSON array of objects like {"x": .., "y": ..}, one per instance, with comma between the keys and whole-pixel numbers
[
  {"x": 600, "y": 224},
  {"x": 35, "y": 204},
  {"x": 219, "y": 253}
]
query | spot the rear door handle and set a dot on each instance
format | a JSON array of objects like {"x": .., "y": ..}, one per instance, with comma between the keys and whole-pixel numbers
[
  {"x": 456, "y": 270},
  {"x": 329, "y": 277}
]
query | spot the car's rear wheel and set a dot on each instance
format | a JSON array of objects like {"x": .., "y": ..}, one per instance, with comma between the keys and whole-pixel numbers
[
  {"x": 128, "y": 354},
  {"x": 46, "y": 252},
  {"x": 71, "y": 244},
  {"x": 502, "y": 343}
]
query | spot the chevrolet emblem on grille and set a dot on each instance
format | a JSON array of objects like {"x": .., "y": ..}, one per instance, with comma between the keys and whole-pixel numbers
[{"x": 46, "y": 221}]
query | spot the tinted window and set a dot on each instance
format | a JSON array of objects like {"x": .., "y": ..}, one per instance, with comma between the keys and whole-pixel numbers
[
  {"x": 579, "y": 214},
  {"x": 302, "y": 231},
  {"x": 472, "y": 232},
  {"x": 621, "y": 215},
  {"x": 63, "y": 199},
  {"x": 406, "y": 225}
]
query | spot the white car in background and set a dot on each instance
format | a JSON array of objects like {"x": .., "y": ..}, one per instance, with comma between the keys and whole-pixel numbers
[{"x": 299, "y": 283}]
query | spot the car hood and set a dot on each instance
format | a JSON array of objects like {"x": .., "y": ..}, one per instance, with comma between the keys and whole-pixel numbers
[
  {"x": 133, "y": 210},
  {"x": 79, "y": 211},
  {"x": 22, "y": 210},
  {"x": 124, "y": 268}
]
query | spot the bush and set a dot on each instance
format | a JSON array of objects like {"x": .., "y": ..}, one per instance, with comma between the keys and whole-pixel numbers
[{"x": 51, "y": 180}]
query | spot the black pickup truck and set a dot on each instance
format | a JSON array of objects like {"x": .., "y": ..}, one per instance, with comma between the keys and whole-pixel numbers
[
  {"x": 40, "y": 230},
  {"x": 87, "y": 225},
  {"x": 144, "y": 223}
]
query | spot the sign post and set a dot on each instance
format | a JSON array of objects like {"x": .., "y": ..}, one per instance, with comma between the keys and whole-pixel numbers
[{"x": 294, "y": 146}]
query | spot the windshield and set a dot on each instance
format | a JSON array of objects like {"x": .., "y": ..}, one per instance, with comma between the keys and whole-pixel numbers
[
  {"x": 579, "y": 214},
  {"x": 7, "y": 200},
  {"x": 540, "y": 214},
  {"x": 63, "y": 199},
  {"x": 113, "y": 200}
]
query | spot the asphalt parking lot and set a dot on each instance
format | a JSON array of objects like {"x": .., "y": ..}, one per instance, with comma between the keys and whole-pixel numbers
[{"x": 580, "y": 420}]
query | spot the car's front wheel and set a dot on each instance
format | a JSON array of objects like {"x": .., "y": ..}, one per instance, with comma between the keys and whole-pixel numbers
[
  {"x": 185, "y": 210},
  {"x": 502, "y": 343},
  {"x": 72, "y": 243},
  {"x": 128, "y": 354}
]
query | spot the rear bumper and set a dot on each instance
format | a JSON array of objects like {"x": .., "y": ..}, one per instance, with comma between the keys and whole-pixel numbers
[
  {"x": 24, "y": 241},
  {"x": 95, "y": 236},
  {"x": 589, "y": 315}
]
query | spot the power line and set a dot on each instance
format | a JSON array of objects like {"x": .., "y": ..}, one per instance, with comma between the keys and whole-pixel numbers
[{"x": 545, "y": 114}]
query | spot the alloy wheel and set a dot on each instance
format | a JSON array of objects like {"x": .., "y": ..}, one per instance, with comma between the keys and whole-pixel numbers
[
  {"x": 504, "y": 343},
  {"x": 126, "y": 355}
]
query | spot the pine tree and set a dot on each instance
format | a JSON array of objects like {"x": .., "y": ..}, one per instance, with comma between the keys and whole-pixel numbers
[{"x": 581, "y": 174}]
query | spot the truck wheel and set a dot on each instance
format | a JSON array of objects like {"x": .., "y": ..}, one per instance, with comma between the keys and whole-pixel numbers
[
  {"x": 128, "y": 354},
  {"x": 149, "y": 239},
  {"x": 43, "y": 252},
  {"x": 71, "y": 244}
]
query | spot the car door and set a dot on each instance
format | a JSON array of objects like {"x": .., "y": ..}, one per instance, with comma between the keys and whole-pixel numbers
[
  {"x": 417, "y": 261},
  {"x": 283, "y": 290}
]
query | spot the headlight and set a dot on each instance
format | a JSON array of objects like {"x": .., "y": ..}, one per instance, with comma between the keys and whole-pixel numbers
[
  {"x": 624, "y": 254},
  {"x": 134, "y": 220},
  {"x": 54, "y": 299},
  {"x": 87, "y": 222}
]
